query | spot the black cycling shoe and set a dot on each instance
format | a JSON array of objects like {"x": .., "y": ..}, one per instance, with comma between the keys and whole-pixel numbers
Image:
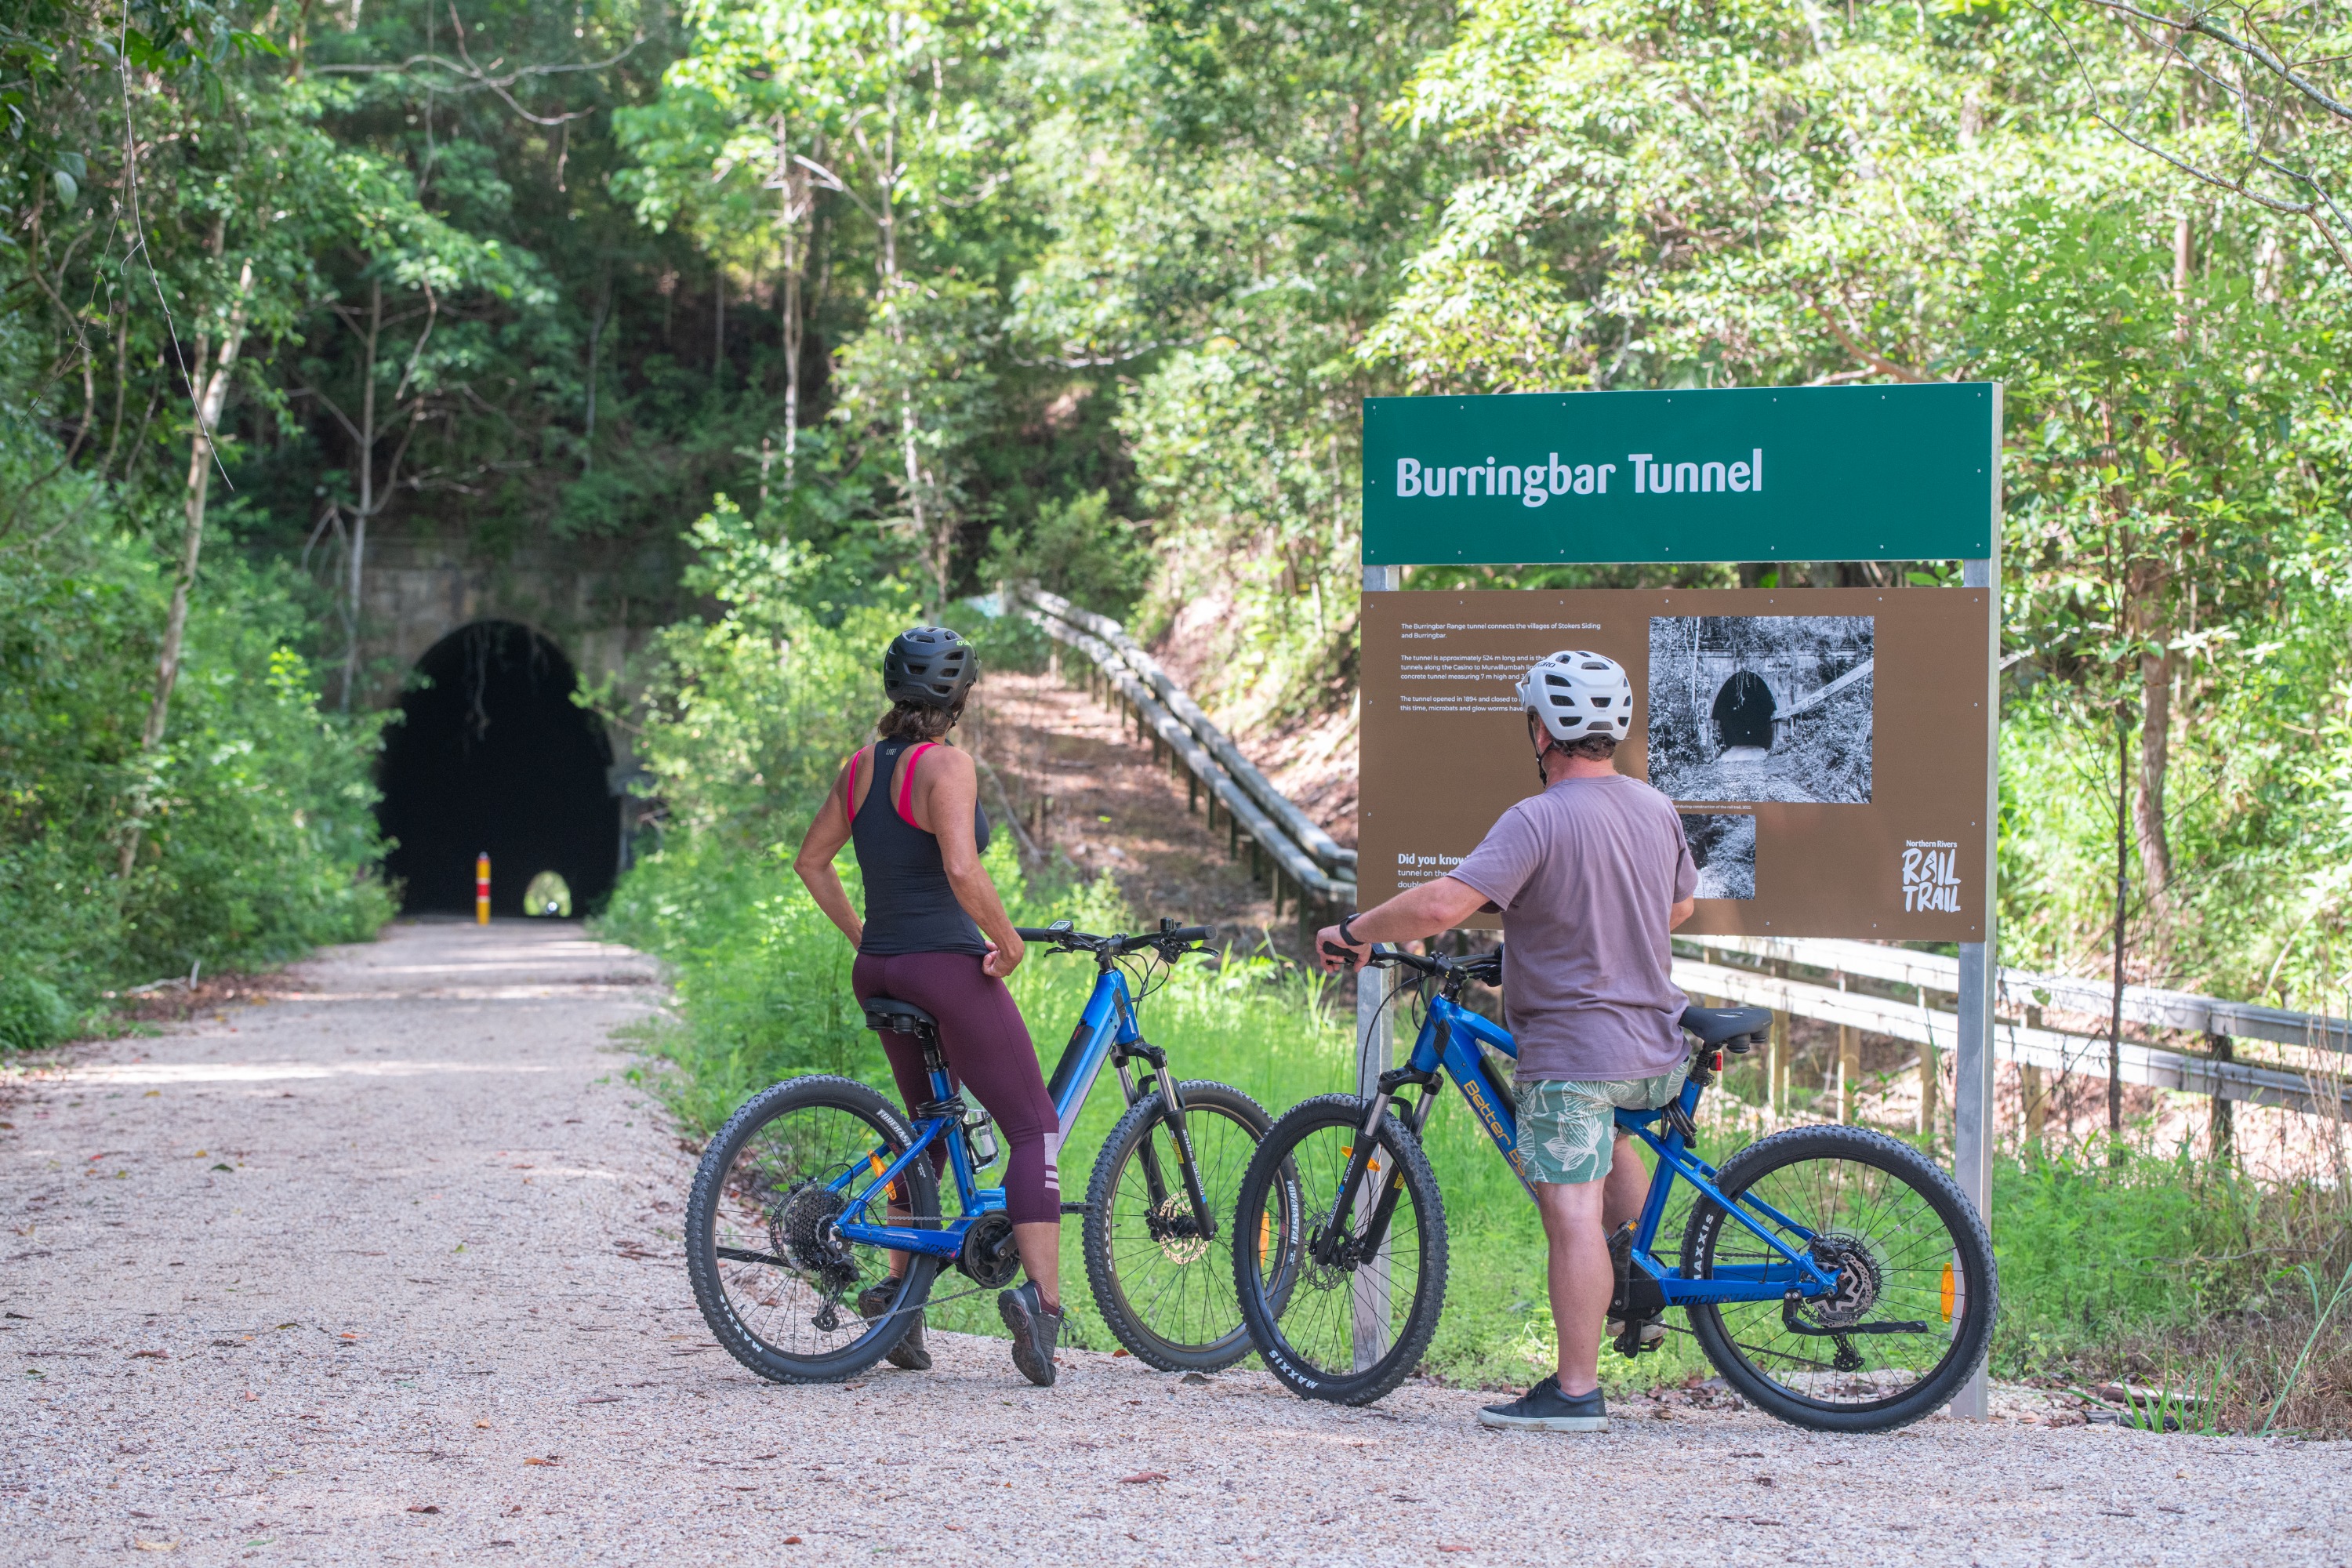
[
  {"x": 1036, "y": 1332},
  {"x": 910, "y": 1351},
  {"x": 1544, "y": 1408}
]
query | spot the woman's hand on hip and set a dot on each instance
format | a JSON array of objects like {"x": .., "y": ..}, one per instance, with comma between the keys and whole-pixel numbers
[{"x": 1003, "y": 958}]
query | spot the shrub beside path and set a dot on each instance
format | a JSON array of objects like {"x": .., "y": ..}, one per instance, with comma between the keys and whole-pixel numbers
[{"x": 387, "y": 1268}]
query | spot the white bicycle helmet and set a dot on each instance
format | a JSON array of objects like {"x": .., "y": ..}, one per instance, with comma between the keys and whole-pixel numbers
[{"x": 1577, "y": 693}]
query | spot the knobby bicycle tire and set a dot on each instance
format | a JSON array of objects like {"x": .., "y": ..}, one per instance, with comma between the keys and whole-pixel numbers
[
  {"x": 1969, "y": 1284},
  {"x": 1142, "y": 1318},
  {"x": 1310, "y": 1299},
  {"x": 753, "y": 1205}
]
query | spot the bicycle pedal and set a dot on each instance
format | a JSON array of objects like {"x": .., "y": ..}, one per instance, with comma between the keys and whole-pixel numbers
[{"x": 1077, "y": 1208}]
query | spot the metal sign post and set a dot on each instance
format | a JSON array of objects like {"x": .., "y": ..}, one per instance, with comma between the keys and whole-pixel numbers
[
  {"x": 1375, "y": 1036},
  {"x": 1801, "y": 473}
]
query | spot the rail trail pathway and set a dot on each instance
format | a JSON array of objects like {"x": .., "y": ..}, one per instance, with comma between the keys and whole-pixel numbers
[{"x": 385, "y": 1268}]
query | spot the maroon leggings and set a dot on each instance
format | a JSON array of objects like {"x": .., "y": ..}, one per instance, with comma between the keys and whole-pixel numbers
[{"x": 988, "y": 1050}]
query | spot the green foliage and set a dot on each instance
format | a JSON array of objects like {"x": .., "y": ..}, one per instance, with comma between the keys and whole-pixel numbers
[
  {"x": 33, "y": 1012},
  {"x": 260, "y": 840},
  {"x": 1079, "y": 550}
]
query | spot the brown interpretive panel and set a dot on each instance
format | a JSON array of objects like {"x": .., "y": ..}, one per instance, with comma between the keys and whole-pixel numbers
[{"x": 1824, "y": 746}]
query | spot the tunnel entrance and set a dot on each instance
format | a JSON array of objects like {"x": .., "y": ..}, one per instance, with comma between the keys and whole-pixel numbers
[
  {"x": 491, "y": 754},
  {"x": 1743, "y": 712}
]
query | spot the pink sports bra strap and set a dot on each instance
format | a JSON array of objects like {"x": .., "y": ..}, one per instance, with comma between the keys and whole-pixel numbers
[
  {"x": 907, "y": 786},
  {"x": 849, "y": 785}
]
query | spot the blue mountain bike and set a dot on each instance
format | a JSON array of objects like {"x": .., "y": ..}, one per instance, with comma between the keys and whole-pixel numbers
[
  {"x": 813, "y": 1184},
  {"x": 1833, "y": 1276}
]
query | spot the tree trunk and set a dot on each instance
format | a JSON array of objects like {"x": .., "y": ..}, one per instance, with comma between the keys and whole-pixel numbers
[
  {"x": 2154, "y": 756},
  {"x": 210, "y": 395},
  {"x": 357, "y": 560},
  {"x": 2123, "y": 893},
  {"x": 792, "y": 209}
]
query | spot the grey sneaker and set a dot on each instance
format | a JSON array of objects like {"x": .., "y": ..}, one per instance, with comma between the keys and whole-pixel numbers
[
  {"x": 1544, "y": 1408},
  {"x": 910, "y": 1351},
  {"x": 1036, "y": 1332}
]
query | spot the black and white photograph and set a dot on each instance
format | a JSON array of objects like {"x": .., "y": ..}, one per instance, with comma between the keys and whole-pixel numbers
[
  {"x": 1723, "y": 847},
  {"x": 1761, "y": 707}
]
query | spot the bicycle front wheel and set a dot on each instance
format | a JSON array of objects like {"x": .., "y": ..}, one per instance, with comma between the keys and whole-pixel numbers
[
  {"x": 1912, "y": 1314},
  {"x": 1349, "y": 1326},
  {"x": 1166, "y": 1290},
  {"x": 775, "y": 1281}
]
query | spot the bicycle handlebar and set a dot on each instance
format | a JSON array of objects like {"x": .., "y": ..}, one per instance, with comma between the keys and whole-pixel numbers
[{"x": 1167, "y": 938}]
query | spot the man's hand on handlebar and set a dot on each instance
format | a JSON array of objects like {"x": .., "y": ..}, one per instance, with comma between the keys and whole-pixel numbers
[{"x": 1335, "y": 952}]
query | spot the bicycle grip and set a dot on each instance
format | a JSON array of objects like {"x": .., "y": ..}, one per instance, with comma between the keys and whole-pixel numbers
[
  {"x": 1189, "y": 933},
  {"x": 1038, "y": 934}
]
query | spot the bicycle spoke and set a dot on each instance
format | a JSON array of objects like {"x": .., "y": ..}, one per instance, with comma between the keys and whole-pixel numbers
[
  {"x": 774, "y": 1205},
  {"x": 1895, "y": 1255},
  {"x": 1174, "y": 1283}
]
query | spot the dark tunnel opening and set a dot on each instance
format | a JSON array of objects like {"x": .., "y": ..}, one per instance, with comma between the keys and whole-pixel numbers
[
  {"x": 1743, "y": 712},
  {"x": 490, "y": 754}
]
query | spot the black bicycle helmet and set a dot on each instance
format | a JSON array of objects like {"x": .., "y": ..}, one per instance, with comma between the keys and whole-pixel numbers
[{"x": 929, "y": 665}]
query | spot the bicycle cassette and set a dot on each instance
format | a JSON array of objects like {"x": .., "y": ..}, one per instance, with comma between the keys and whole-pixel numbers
[{"x": 803, "y": 1229}]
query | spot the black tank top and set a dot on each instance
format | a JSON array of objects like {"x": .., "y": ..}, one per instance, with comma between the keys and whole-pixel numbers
[{"x": 910, "y": 907}]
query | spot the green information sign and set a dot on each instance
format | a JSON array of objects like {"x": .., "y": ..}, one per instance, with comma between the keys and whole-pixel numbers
[{"x": 1805, "y": 473}]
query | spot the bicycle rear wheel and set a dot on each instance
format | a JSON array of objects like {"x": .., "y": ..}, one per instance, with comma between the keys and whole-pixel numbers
[
  {"x": 1913, "y": 1313},
  {"x": 1164, "y": 1291},
  {"x": 775, "y": 1281},
  {"x": 1348, "y": 1332}
]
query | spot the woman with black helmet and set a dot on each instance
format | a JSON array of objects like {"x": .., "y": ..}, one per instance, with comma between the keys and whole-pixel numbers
[{"x": 936, "y": 934}]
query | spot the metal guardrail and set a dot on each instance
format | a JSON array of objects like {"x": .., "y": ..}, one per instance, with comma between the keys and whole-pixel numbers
[
  {"x": 2027, "y": 1044},
  {"x": 1211, "y": 757},
  {"x": 2019, "y": 989},
  {"x": 1304, "y": 830}
]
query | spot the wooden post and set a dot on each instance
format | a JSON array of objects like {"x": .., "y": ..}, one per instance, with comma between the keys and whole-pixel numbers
[
  {"x": 1193, "y": 792},
  {"x": 2034, "y": 1096},
  {"x": 1931, "y": 1079},
  {"x": 1848, "y": 1071},
  {"x": 2224, "y": 1123}
]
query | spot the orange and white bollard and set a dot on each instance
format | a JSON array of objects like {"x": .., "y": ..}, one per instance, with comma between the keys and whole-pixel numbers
[{"x": 482, "y": 888}]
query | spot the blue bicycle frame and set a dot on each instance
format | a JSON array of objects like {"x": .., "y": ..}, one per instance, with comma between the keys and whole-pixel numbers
[
  {"x": 1106, "y": 1031},
  {"x": 1450, "y": 1037}
]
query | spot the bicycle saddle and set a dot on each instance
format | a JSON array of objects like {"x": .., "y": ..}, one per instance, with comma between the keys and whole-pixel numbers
[
  {"x": 888, "y": 1014},
  {"x": 1718, "y": 1026}
]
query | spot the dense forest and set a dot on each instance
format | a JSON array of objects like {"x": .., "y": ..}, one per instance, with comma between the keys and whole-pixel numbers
[{"x": 932, "y": 293}]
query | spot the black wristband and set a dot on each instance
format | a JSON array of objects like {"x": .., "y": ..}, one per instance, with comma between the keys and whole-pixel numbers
[{"x": 1347, "y": 929}]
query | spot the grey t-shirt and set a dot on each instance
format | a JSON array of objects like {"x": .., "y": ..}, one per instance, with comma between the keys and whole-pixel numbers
[{"x": 1586, "y": 875}]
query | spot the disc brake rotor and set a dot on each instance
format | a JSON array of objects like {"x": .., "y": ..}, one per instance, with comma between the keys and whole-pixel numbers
[{"x": 1171, "y": 1225}]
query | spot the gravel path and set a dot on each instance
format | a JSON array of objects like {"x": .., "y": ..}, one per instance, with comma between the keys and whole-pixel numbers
[{"x": 386, "y": 1269}]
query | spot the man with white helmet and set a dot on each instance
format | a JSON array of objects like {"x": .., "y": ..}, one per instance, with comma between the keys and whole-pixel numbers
[{"x": 1590, "y": 875}]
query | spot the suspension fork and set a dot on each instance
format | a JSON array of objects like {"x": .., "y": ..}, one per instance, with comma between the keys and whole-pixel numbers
[
  {"x": 1367, "y": 1140},
  {"x": 1171, "y": 1109}
]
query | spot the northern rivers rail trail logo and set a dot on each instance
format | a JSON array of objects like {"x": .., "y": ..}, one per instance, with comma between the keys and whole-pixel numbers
[{"x": 1931, "y": 881}]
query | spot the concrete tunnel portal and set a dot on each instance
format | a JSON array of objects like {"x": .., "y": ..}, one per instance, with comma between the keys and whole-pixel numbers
[
  {"x": 1743, "y": 712},
  {"x": 490, "y": 752}
]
